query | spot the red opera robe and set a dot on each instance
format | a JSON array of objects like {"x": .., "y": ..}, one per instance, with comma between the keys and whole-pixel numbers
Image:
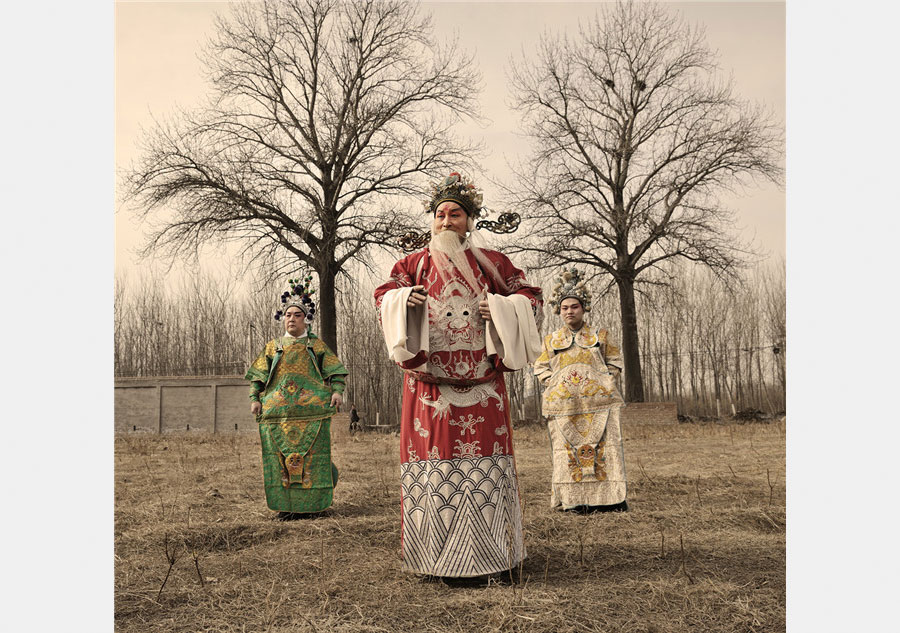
[{"x": 461, "y": 507}]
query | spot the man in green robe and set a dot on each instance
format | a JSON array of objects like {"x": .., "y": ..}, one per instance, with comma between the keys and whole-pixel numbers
[{"x": 295, "y": 387}]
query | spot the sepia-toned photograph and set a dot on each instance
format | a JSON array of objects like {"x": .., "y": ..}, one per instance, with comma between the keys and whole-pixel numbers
[
  {"x": 450, "y": 316},
  {"x": 404, "y": 315}
]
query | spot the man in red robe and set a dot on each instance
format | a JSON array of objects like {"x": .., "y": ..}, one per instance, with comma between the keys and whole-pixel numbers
[{"x": 455, "y": 317}]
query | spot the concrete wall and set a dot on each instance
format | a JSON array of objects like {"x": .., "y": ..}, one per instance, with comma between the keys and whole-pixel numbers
[
  {"x": 220, "y": 404},
  {"x": 206, "y": 404}
]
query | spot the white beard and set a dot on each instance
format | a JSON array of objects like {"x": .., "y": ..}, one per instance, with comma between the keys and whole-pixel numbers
[
  {"x": 448, "y": 252},
  {"x": 447, "y": 241}
]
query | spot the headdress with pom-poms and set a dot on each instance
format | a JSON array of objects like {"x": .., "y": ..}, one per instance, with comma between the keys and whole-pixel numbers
[
  {"x": 298, "y": 294},
  {"x": 570, "y": 285}
]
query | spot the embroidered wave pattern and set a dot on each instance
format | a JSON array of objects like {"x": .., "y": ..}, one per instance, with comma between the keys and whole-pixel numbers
[{"x": 461, "y": 517}]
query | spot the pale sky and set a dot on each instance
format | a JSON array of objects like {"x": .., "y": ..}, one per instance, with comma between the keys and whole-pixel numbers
[{"x": 157, "y": 69}]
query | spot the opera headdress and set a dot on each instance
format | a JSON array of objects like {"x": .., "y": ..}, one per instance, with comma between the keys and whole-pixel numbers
[
  {"x": 298, "y": 294},
  {"x": 458, "y": 189},
  {"x": 570, "y": 285}
]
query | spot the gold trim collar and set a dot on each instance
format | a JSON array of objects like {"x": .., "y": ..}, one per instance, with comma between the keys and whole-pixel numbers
[{"x": 564, "y": 337}]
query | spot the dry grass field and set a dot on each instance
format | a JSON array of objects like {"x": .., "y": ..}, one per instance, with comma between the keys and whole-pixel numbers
[{"x": 701, "y": 549}]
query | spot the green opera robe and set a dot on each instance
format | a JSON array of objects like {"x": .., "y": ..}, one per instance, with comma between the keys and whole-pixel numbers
[{"x": 293, "y": 379}]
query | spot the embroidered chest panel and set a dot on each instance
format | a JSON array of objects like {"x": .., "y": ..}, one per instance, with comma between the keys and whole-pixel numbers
[
  {"x": 581, "y": 381},
  {"x": 296, "y": 389},
  {"x": 456, "y": 330}
]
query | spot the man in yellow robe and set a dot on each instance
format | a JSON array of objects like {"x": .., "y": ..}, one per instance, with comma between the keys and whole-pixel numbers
[{"x": 577, "y": 368}]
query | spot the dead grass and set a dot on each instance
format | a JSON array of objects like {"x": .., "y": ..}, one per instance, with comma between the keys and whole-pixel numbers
[{"x": 702, "y": 548}]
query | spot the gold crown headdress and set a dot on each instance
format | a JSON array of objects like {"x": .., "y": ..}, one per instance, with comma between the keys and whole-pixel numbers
[
  {"x": 570, "y": 285},
  {"x": 459, "y": 189}
]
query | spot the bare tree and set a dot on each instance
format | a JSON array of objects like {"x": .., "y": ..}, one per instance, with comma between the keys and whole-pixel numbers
[
  {"x": 635, "y": 138},
  {"x": 324, "y": 113}
]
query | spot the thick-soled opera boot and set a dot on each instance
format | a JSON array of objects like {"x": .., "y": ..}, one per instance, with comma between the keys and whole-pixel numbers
[{"x": 616, "y": 507}]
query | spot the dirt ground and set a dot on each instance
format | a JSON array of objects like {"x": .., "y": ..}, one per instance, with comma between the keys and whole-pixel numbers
[{"x": 702, "y": 547}]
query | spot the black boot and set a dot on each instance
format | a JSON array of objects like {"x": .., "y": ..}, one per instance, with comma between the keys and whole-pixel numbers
[
  {"x": 615, "y": 507},
  {"x": 288, "y": 516}
]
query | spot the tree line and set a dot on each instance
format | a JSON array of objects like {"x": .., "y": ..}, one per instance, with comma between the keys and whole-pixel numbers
[
  {"x": 712, "y": 348},
  {"x": 326, "y": 119}
]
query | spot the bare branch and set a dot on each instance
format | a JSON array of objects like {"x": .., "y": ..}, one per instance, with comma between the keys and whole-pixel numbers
[
  {"x": 321, "y": 114},
  {"x": 635, "y": 139}
]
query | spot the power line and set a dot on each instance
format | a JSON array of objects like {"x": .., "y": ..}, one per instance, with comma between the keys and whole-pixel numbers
[{"x": 775, "y": 349}]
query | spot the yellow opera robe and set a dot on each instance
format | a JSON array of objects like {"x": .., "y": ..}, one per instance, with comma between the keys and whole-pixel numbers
[{"x": 582, "y": 405}]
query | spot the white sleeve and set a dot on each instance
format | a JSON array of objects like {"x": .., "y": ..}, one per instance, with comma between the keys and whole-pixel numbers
[
  {"x": 405, "y": 329},
  {"x": 512, "y": 333}
]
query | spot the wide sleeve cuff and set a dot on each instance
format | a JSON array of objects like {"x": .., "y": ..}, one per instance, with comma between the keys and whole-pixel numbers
[
  {"x": 405, "y": 329},
  {"x": 512, "y": 334}
]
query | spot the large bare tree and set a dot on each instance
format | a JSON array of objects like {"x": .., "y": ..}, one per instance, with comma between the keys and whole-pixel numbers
[
  {"x": 323, "y": 115},
  {"x": 635, "y": 139}
]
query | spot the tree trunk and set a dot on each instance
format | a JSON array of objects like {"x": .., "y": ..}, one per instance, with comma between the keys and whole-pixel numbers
[
  {"x": 327, "y": 307},
  {"x": 634, "y": 382}
]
